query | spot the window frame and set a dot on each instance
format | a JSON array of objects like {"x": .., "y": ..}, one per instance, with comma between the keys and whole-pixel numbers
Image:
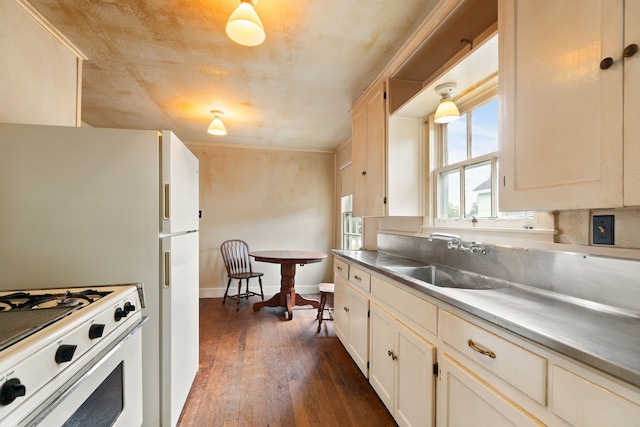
[
  {"x": 467, "y": 103},
  {"x": 345, "y": 235}
]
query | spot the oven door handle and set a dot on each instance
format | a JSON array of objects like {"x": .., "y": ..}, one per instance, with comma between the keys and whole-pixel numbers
[{"x": 40, "y": 413}]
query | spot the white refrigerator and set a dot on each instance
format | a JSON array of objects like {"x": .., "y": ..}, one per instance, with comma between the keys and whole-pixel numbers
[{"x": 86, "y": 206}]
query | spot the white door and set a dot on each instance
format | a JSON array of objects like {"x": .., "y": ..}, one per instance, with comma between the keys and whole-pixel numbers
[
  {"x": 382, "y": 372},
  {"x": 561, "y": 114},
  {"x": 340, "y": 313},
  {"x": 180, "y": 186},
  {"x": 359, "y": 330},
  {"x": 179, "y": 321},
  {"x": 415, "y": 392},
  {"x": 466, "y": 400}
]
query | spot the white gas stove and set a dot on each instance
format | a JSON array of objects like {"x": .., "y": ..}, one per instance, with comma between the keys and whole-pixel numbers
[{"x": 71, "y": 356}]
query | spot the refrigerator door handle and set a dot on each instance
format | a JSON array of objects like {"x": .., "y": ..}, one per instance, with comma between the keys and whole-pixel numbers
[
  {"x": 165, "y": 194},
  {"x": 167, "y": 269}
]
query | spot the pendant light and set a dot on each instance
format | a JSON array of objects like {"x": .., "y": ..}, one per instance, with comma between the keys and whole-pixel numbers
[
  {"x": 217, "y": 127},
  {"x": 447, "y": 110},
  {"x": 244, "y": 26}
]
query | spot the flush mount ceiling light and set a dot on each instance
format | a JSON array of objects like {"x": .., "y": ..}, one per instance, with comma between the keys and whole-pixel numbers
[
  {"x": 447, "y": 110},
  {"x": 244, "y": 26},
  {"x": 217, "y": 127}
]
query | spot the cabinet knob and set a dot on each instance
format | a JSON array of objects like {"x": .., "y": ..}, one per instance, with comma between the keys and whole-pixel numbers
[
  {"x": 606, "y": 63},
  {"x": 630, "y": 50},
  {"x": 364, "y": 172}
]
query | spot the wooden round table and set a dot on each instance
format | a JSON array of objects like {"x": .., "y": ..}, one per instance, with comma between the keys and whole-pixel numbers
[{"x": 288, "y": 260}]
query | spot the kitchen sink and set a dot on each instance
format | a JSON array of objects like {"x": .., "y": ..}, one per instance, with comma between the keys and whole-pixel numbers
[
  {"x": 425, "y": 273},
  {"x": 446, "y": 277}
]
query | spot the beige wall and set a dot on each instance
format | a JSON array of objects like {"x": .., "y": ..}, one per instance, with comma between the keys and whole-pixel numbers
[
  {"x": 39, "y": 70},
  {"x": 272, "y": 199}
]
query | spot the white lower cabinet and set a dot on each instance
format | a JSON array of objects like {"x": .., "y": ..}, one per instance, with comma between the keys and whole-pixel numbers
[
  {"x": 401, "y": 370},
  {"x": 583, "y": 402},
  {"x": 351, "y": 322},
  {"x": 486, "y": 376},
  {"x": 466, "y": 400}
]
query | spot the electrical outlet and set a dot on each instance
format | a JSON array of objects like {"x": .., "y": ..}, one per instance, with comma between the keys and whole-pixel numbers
[{"x": 603, "y": 230}]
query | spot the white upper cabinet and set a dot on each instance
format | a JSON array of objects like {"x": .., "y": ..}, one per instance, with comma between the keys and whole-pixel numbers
[
  {"x": 631, "y": 105},
  {"x": 563, "y": 104},
  {"x": 368, "y": 145}
]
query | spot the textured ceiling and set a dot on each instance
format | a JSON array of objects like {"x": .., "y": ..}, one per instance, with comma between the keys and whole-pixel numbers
[{"x": 164, "y": 64}]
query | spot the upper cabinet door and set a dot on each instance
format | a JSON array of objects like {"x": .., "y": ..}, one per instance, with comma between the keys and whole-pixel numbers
[
  {"x": 632, "y": 105},
  {"x": 368, "y": 145},
  {"x": 561, "y": 101}
]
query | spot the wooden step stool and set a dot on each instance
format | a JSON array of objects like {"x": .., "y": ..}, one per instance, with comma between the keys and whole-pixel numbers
[{"x": 325, "y": 289}]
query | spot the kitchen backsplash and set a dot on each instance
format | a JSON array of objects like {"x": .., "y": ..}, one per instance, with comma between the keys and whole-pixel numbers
[
  {"x": 574, "y": 227},
  {"x": 602, "y": 280}
]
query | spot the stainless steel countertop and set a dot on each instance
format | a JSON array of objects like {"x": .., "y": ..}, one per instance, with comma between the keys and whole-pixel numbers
[{"x": 607, "y": 341}]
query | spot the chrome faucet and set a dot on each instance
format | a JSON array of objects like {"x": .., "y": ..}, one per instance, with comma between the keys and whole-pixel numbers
[
  {"x": 476, "y": 247},
  {"x": 455, "y": 242}
]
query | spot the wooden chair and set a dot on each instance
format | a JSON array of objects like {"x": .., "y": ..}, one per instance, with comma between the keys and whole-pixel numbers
[
  {"x": 325, "y": 289},
  {"x": 235, "y": 254}
]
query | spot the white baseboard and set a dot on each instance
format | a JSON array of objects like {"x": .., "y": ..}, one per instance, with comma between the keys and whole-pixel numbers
[{"x": 269, "y": 291}]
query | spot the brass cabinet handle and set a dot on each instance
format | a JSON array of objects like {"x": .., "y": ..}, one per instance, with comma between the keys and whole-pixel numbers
[
  {"x": 473, "y": 345},
  {"x": 358, "y": 278},
  {"x": 393, "y": 356},
  {"x": 346, "y": 309},
  {"x": 339, "y": 268}
]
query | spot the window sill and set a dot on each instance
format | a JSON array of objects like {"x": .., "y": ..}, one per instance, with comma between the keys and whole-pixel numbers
[{"x": 495, "y": 234}]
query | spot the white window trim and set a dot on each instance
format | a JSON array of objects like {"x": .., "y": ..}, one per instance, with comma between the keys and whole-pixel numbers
[
  {"x": 344, "y": 234},
  {"x": 466, "y": 102}
]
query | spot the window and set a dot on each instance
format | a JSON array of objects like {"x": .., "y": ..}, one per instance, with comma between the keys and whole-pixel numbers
[
  {"x": 351, "y": 226},
  {"x": 466, "y": 170}
]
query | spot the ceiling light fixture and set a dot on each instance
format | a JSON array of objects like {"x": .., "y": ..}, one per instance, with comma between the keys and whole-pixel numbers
[
  {"x": 217, "y": 127},
  {"x": 244, "y": 26},
  {"x": 447, "y": 110}
]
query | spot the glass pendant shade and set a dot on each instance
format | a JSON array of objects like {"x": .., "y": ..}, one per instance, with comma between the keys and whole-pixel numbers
[
  {"x": 446, "y": 112},
  {"x": 244, "y": 26},
  {"x": 217, "y": 127}
]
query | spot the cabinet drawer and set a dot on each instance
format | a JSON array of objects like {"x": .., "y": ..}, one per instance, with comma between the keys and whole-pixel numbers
[
  {"x": 341, "y": 268},
  {"x": 524, "y": 370},
  {"x": 421, "y": 312},
  {"x": 360, "y": 278},
  {"x": 581, "y": 402}
]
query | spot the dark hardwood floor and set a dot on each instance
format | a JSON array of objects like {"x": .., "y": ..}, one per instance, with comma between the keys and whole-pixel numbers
[{"x": 258, "y": 369}]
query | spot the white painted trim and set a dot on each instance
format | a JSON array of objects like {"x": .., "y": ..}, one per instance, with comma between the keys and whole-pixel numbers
[
  {"x": 79, "y": 92},
  {"x": 31, "y": 11},
  {"x": 257, "y": 147},
  {"x": 428, "y": 25}
]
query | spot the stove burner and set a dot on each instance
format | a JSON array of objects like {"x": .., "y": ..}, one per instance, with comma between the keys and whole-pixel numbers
[
  {"x": 28, "y": 301},
  {"x": 61, "y": 302}
]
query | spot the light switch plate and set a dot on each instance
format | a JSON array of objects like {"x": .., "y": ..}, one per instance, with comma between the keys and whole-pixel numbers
[{"x": 603, "y": 230}]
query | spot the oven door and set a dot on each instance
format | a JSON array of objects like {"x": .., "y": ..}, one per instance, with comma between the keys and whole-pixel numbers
[{"x": 109, "y": 393}]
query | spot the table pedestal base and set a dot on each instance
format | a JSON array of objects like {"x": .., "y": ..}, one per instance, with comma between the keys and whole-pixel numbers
[{"x": 287, "y": 296}]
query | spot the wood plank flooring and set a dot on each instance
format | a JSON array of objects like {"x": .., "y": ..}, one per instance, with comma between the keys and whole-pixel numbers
[{"x": 258, "y": 369}]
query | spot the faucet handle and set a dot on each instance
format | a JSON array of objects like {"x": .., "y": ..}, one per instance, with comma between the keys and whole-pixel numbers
[{"x": 477, "y": 247}]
